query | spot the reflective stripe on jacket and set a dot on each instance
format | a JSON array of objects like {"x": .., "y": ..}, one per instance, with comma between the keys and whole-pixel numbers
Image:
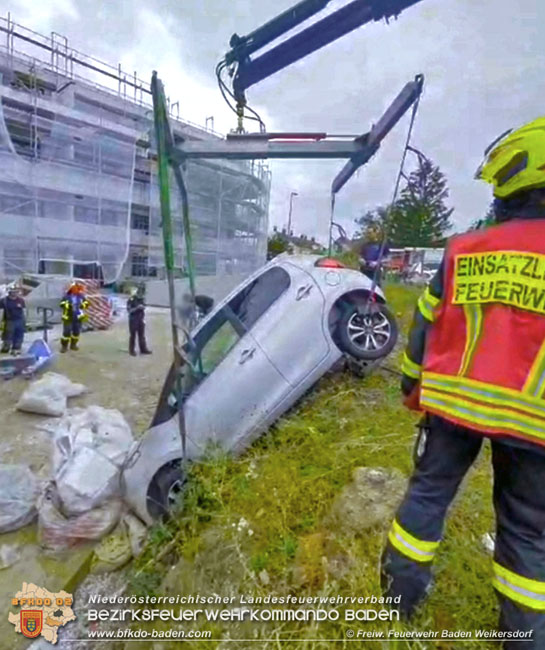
[
  {"x": 424, "y": 315},
  {"x": 73, "y": 307},
  {"x": 484, "y": 362}
]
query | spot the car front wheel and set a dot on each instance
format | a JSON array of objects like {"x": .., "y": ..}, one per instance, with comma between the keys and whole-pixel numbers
[
  {"x": 367, "y": 332},
  {"x": 165, "y": 489}
]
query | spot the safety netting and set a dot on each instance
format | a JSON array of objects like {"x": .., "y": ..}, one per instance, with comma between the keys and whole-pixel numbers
[
  {"x": 65, "y": 187},
  {"x": 229, "y": 218},
  {"x": 78, "y": 179}
]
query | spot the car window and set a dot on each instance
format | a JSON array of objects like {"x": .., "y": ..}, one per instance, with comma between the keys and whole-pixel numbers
[
  {"x": 254, "y": 300},
  {"x": 213, "y": 342},
  {"x": 218, "y": 346},
  {"x": 211, "y": 345}
]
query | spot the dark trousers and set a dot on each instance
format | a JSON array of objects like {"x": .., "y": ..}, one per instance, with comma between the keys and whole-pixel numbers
[
  {"x": 71, "y": 330},
  {"x": 519, "y": 503},
  {"x": 137, "y": 328},
  {"x": 14, "y": 333}
]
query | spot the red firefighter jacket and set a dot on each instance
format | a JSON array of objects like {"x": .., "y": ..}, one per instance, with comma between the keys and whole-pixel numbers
[{"x": 483, "y": 364}]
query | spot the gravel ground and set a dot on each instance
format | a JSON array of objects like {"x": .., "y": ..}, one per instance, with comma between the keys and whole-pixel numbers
[{"x": 114, "y": 379}]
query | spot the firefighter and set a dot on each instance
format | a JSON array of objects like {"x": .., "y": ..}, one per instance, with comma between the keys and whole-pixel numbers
[
  {"x": 475, "y": 365},
  {"x": 73, "y": 305},
  {"x": 14, "y": 319},
  {"x": 136, "y": 308}
]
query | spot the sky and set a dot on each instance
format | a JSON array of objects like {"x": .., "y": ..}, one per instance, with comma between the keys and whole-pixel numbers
[{"x": 483, "y": 63}]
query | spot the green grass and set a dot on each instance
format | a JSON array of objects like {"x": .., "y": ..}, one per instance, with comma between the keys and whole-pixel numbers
[{"x": 257, "y": 524}]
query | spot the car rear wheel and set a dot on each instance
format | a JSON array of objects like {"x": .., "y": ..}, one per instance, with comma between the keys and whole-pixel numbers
[
  {"x": 367, "y": 333},
  {"x": 165, "y": 489}
]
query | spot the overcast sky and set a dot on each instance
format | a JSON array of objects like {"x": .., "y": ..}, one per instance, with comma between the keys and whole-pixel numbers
[{"x": 484, "y": 65}]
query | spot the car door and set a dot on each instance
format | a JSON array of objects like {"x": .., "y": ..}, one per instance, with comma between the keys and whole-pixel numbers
[
  {"x": 238, "y": 385},
  {"x": 291, "y": 332}
]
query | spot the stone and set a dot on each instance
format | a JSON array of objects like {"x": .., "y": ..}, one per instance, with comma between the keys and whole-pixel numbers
[{"x": 369, "y": 500}]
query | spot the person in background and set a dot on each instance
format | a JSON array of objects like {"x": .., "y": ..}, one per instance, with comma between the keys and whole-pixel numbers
[
  {"x": 136, "y": 308},
  {"x": 14, "y": 322},
  {"x": 369, "y": 260},
  {"x": 73, "y": 305}
]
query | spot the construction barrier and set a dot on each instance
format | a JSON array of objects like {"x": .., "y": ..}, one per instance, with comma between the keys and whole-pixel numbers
[{"x": 100, "y": 310}]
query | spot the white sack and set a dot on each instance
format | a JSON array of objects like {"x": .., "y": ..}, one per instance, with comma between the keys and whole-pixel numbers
[
  {"x": 48, "y": 395},
  {"x": 18, "y": 494}
]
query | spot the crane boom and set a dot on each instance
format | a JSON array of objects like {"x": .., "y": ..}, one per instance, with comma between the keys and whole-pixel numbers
[
  {"x": 318, "y": 35},
  {"x": 243, "y": 46}
]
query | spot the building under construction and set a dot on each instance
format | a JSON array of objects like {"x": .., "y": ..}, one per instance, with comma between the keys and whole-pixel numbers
[{"x": 78, "y": 189}]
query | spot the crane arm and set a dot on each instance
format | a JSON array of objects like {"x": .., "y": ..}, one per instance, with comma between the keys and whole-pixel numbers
[
  {"x": 318, "y": 35},
  {"x": 244, "y": 46}
]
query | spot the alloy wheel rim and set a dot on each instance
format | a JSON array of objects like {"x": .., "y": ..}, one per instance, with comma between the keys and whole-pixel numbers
[{"x": 370, "y": 332}]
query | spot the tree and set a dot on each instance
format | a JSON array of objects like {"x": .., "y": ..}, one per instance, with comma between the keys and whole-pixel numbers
[
  {"x": 276, "y": 245},
  {"x": 421, "y": 217},
  {"x": 371, "y": 225}
]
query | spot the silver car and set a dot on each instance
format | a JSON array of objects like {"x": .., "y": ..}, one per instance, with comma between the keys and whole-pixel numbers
[{"x": 251, "y": 358}]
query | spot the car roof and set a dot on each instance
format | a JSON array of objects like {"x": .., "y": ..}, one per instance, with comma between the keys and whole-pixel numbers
[{"x": 303, "y": 261}]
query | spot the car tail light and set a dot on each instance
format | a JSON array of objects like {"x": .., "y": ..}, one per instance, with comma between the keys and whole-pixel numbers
[{"x": 329, "y": 263}]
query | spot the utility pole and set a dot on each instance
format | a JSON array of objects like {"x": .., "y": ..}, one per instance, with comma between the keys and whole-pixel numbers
[{"x": 291, "y": 208}]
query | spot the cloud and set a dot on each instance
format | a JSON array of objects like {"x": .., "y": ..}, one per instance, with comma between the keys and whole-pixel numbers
[
  {"x": 43, "y": 15},
  {"x": 482, "y": 61}
]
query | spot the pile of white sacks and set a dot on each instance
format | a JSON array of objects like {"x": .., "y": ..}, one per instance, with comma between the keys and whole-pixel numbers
[{"x": 83, "y": 500}]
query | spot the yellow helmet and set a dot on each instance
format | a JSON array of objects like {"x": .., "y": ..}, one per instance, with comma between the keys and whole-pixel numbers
[{"x": 515, "y": 162}]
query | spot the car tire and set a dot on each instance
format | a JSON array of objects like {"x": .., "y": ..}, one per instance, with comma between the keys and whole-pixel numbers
[
  {"x": 367, "y": 336},
  {"x": 165, "y": 488}
]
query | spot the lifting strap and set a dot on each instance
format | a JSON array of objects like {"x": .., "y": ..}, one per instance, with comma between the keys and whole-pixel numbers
[{"x": 400, "y": 175}]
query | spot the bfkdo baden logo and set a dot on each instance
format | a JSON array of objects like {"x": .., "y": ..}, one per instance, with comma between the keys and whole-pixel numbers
[
  {"x": 41, "y": 612},
  {"x": 31, "y": 622}
]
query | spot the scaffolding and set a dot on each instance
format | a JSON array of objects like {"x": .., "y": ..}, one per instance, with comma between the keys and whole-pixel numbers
[{"x": 79, "y": 192}]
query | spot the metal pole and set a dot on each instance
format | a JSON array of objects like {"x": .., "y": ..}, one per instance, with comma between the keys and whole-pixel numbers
[
  {"x": 218, "y": 234},
  {"x": 161, "y": 125},
  {"x": 331, "y": 222},
  {"x": 291, "y": 208}
]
